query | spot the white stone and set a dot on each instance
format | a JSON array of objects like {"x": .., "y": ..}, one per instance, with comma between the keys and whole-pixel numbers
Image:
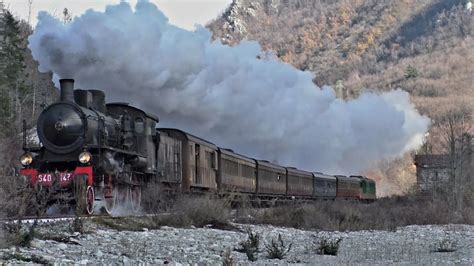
[
  {"x": 99, "y": 254},
  {"x": 62, "y": 246}
]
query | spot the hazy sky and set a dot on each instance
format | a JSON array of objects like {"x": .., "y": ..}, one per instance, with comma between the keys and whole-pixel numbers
[{"x": 184, "y": 13}]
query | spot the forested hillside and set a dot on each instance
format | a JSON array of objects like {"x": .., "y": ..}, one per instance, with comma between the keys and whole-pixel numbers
[
  {"x": 424, "y": 47},
  {"x": 24, "y": 92}
]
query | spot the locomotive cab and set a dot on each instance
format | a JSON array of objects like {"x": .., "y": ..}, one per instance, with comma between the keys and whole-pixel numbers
[{"x": 138, "y": 134}]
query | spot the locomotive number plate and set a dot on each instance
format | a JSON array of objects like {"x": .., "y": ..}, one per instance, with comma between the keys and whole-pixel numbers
[
  {"x": 45, "y": 178},
  {"x": 65, "y": 177},
  {"x": 48, "y": 178}
]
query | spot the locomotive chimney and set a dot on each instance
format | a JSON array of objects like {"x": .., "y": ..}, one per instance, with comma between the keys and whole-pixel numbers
[{"x": 67, "y": 90}]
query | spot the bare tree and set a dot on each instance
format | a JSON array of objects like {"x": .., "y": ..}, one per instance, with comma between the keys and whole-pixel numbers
[
  {"x": 455, "y": 127},
  {"x": 30, "y": 3},
  {"x": 67, "y": 16}
]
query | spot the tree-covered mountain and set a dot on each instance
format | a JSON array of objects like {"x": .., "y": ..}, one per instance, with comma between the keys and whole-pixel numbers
[{"x": 424, "y": 47}]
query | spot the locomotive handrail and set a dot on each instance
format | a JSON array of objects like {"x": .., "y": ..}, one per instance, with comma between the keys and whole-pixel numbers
[{"x": 24, "y": 136}]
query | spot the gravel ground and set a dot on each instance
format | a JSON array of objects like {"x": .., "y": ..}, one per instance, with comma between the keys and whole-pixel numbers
[{"x": 406, "y": 246}]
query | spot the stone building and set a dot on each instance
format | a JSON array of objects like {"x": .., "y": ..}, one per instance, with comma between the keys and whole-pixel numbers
[
  {"x": 432, "y": 170},
  {"x": 442, "y": 171}
]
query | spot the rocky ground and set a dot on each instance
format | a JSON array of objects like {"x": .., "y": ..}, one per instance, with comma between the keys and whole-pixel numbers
[{"x": 409, "y": 245}]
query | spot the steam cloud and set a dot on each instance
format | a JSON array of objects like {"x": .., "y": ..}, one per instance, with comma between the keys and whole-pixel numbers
[{"x": 260, "y": 107}]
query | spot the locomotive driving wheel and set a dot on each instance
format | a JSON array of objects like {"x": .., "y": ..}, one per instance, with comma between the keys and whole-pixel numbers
[
  {"x": 135, "y": 193},
  {"x": 84, "y": 196},
  {"x": 90, "y": 197},
  {"x": 110, "y": 194},
  {"x": 122, "y": 191}
]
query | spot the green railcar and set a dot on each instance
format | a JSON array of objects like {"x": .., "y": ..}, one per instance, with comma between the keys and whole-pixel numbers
[{"x": 367, "y": 189}]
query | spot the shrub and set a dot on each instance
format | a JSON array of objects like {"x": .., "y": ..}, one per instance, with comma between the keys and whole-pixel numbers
[
  {"x": 446, "y": 245},
  {"x": 328, "y": 246},
  {"x": 77, "y": 225},
  {"x": 227, "y": 259},
  {"x": 16, "y": 198},
  {"x": 197, "y": 211},
  {"x": 16, "y": 234},
  {"x": 277, "y": 248},
  {"x": 384, "y": 214},
  {"x": 203, "y": 211},
  {"x": 250, "y": 246},
  {"x": 186, "y": 211},
  {"x": 155, "y": 199}
]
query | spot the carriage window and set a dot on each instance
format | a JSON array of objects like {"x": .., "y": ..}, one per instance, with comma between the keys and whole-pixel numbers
[{"x": 139, "y": 125}]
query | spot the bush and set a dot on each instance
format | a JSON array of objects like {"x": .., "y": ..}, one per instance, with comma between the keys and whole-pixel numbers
[
  {"x": 202, "y": 211},
  {"x": 16, "y": 234},
  {"x": 277, "y": 248},
  {"x": 199, "y": 212},
  {"x": 77, "y": 225},
  {"x": 328, "y": 247},
  {"x": 384, "y": 214},
  {"x": 155, "y": 199},
  {"x": 186, "y": 211},
  {"x": 227, "y": 259},
  {"x": 250, "y": 246},
  {"x": 446, "y": 245},
  {"x": 16, "y": 198}
]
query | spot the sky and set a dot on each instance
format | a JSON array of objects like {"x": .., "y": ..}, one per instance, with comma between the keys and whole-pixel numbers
[{"x": 180, "y": 12}]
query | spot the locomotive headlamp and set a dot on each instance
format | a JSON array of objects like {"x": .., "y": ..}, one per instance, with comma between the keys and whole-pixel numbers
[
  {"x": 26, "y": 159},
  {"x": 85, "y": 157}
]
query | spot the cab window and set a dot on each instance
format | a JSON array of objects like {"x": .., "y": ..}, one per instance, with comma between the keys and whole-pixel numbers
[{"x": 139, "y": 125}]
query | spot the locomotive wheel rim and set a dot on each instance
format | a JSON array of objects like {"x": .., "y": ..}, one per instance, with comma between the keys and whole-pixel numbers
[
  {"x": 122, "y": 195},
  {"x": 135, "y": 195},
  {"x": 110, "y": 196},
  {"x": 90, "y": 197}
]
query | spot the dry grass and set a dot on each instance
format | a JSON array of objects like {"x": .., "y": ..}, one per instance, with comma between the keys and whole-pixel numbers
[
  {"x": 17, "y": 199},
  {"x": 385, "y": 214},
  {"x": 186, "y": 211},
  {"x": 17, "y": 234},
  {"x": 198, "y": 212}
]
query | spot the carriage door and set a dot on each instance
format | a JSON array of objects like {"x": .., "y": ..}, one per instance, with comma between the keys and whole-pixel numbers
[{"x": 197, "y": 150}]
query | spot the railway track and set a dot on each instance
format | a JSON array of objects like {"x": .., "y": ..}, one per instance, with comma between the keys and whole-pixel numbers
[{"x": 70, "y": 217}]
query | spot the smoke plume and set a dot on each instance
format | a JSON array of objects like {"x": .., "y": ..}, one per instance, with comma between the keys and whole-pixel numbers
[{"x": 238, "y": 97}]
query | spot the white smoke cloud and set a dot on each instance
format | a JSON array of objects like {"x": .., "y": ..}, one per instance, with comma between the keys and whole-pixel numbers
[{"x": 260, "y": 107}]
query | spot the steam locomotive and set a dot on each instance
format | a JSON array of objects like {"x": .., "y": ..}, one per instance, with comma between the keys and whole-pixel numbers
[{"x": 93, "y": 153}]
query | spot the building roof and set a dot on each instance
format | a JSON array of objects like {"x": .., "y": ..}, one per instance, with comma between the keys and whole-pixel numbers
[{"x": 432, "y": 160}]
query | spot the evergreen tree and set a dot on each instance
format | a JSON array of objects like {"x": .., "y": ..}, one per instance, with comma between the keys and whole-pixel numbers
[
  {"x": 12, "y": 88},
  {"x": 411, "y": 72}
]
